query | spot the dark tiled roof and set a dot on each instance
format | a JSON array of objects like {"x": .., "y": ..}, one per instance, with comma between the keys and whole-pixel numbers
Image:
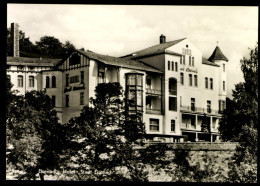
[
  {"x": 217, "y": 55},
  {"x": 115, "y": 61},
  {"x": 206, "y": 62},
  {"x": 153, "y": 50},
  {"x": 32, "y": 61}
]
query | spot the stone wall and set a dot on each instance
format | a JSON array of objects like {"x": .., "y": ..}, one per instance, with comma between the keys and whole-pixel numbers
[{"x": 218, "y": 155}]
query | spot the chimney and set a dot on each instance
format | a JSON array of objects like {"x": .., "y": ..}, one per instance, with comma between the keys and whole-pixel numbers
[
  {"x": 15, "y": 37},
  {"x": 162, "y": 39}
]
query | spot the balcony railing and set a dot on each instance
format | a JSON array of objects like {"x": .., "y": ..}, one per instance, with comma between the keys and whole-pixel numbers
[
  {"x": 153, "y": 111},
  {"x": 199, "y": 109},
  {"x": 153, "y": 91},
  {"x": 187, "y": 126},
  {"x": 173, "y": 92}
]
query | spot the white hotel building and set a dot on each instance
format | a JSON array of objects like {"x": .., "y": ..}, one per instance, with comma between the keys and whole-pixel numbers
[{"x": 173, "y": 85}]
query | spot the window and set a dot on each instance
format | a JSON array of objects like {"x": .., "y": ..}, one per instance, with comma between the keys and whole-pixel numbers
[
  {"x": 172, "y": 66},
  {"x": 180, "y": 59},
  {"x": 20, "y": 81},
  {"x": 74, "y": 79},
  {"x": 67, "y": 80},
  {"x": 131, "y": 80},
  {"x": 182, "y": 78},
  {"x": 148, "y": 103},
  {"x": 172, "y": 86},
  {"x": 209, "y": 106},
  {"x": 53, "y": 101},
  {"x": 222, "y": 106},
  {"x": 192, "y": 106},
  {"x": 148, "y": 83},
  {"x": 82, "y": 77},
  {"x": 53, "y": 79},
  {"x": 101, "y": 77},
  {"x": 224, "y": 85},
  {"x": 192, "y": 61},
  {"x": 190, "y": 79},
  {"x": 172, "y": 125},
  {"x": 154, "y": 124},
  {"x": 211, "y": 83},
  {"x": 82, "y": 98},
  {"x": 139, "y": 80},
  {"x": 173, "y": 103},
  {"x": 75, "y": 59},
  {"x": 176, "y": 66},
  {"x": 47, "y": 82},
  {"x": 206, "y": 82},
  {"x": 169, "y": 65},
  {"x": 139, "y": 97},
  {"x": 67, "y": 100},
  {"x": 31, "y": 81},
  {"x": 183, "y": 60},
  {"x": 195, "y": 80},
  {"x": 224, "y": 67}
]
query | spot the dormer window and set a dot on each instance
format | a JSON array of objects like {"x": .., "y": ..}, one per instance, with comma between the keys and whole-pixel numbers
[
  {"x": 20, "y": 67},
  {"x": 31, "y": 68}
]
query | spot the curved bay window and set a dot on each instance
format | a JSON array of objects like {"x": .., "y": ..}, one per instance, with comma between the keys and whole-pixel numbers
[{"x": 134, "y": 91}]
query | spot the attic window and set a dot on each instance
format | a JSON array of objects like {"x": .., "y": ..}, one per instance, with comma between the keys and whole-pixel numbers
[
  {"x": 187, "y": 46},
  {"x": 75, "y": 59}
]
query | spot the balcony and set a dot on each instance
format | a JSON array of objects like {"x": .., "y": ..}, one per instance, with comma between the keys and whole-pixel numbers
[
  {"x": 153, "y": 111},
  {"x": 173, "y": 92},
  {"x": 150, "y": 91},
  {"x": 199, "y": 109}
]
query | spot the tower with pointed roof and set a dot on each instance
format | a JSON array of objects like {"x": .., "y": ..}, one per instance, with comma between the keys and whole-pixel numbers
[{"x": 219, "y": 58}]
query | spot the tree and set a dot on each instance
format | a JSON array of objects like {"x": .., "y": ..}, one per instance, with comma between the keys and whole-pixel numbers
[
  {"x": 205, "y": 124},
  {"x": 50, "y": 46},
  {"x": 103, "y": 140},
  {"x": 34, "y": 136},
  {"x": 68, "y": 48},
  {"x": 241, "y": 118}
]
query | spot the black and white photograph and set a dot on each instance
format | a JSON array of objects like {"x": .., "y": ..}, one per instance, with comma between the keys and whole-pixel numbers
[{"x": 132, "y": 93}]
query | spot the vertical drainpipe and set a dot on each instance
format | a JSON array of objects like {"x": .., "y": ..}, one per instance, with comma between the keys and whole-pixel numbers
[{"x": 25, "y": 80}]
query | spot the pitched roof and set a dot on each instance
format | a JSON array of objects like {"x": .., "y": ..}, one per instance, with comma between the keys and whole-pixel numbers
[
  {"x": 206, "y": 62},
  {"x": 32, "y": 61},
  {"x": 115, "y": 61},
  {"x": 217, "y": 55},
  {"x": 153, "y": 50}
]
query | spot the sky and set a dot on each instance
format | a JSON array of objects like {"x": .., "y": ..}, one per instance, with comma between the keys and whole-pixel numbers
[{"x": 117, "y": 30}]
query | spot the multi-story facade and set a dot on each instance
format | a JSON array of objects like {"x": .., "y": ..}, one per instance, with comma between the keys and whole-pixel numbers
[
  {"x": 193, "y": 87},
  {"x": 172, "y": 84}
]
